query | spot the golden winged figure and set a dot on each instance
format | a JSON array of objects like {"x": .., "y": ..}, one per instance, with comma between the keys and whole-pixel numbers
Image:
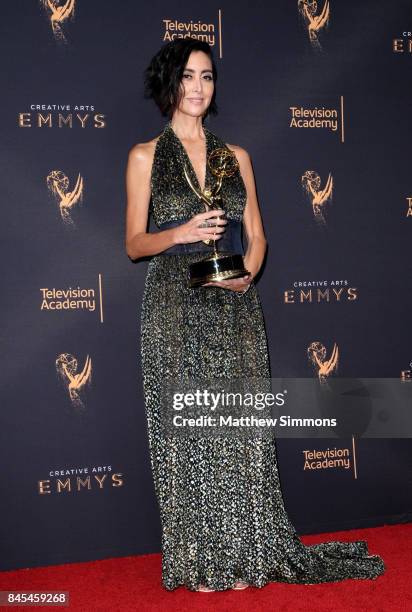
[
  {"x": 58, "y": 14},
  {"x": 315, "y": 23},
  {"x": 58, "y": 183},
  {"x": 319, "y": 197},
  {"x": 317, "y": 354},
  {"x": 66, "y": 366}
]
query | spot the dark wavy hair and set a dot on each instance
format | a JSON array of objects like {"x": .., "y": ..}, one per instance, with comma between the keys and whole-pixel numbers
[{"x": 162, "y": 77}]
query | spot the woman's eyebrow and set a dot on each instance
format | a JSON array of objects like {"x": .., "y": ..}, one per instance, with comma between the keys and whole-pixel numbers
[{"x": 191, "y": 70}]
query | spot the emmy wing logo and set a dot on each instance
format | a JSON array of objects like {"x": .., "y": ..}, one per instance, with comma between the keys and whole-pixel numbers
[
  {"x": 314, "y": 22},
  {"x": 58, "y": 13},
  {"x": 74, "y": 381},
  {"x": 406, "y": 375},
  {"x": 58, "y": 185},
  {"x": 317, "y": 356},
  {"x": 318, "y": 197}
]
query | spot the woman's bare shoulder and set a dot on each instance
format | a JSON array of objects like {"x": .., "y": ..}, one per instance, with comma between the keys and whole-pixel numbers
[
  {"x": 143, "y": 152},
  {"x": 241, "y": 154}
]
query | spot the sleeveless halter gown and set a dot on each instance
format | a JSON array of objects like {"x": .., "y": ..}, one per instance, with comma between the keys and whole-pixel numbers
[{"x": 221, "y": 507}]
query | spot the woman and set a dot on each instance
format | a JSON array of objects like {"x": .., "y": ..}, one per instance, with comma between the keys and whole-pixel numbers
[{"x": 224, "y": 524}]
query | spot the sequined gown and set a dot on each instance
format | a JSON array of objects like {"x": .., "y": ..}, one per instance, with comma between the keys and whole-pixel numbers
[{"x": 221, "y": 507}]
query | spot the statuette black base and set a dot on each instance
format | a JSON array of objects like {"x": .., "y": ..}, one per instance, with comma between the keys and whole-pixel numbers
[{"x": 216, "y": 267}]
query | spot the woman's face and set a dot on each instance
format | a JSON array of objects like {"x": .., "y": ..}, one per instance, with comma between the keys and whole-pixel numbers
[{"x": 197, "y": 85}]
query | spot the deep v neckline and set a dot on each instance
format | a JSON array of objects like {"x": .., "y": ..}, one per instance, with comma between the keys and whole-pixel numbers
[{"x": 189, "y": 162}]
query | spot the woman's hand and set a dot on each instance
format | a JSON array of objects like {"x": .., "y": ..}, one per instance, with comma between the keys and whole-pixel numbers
[
  {"x": 202, "y": 226},
  {"x": 240, "y": 285}
]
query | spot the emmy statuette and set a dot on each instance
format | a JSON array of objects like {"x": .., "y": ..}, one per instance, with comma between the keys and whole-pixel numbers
[{"x": 216, "y": 266}]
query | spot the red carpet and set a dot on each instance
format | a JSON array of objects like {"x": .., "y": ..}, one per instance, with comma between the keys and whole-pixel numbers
[{"x": 133, "y": 583}]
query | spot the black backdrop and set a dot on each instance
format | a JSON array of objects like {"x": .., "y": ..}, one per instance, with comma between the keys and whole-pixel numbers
[{"x": 75, "y": 477}]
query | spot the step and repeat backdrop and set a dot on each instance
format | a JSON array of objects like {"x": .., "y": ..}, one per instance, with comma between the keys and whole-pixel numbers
[{"x": 319, "y": 94}]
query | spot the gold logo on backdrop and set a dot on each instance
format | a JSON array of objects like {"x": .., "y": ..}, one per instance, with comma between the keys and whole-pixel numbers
[
  {"x": 315, "y": 118},
  {"x": 63, "y": 119},
  {"x": 193, "y": 29},
  {"x": 317, "y": 356},
  {"x": 409, "y": 211},
  {"x": 319, "y": 197},
  {"x": 316, "y": 459},
  {"x": 406, "y": 375},
  {"x": 404, "y": 44},
  {"x": 314, "y": 23},
  {"x": 76, "y": 480},
  {"x": 322, "y": 291},
  {"x": 58, "y": 185},
  {"x": 208, "y": 31},
  {"x": 58, "y": 13},
  {"x": 68, "y": 299},
  {"x": 74, "y": 381}
]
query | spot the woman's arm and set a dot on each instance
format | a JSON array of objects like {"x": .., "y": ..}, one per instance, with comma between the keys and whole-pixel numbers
[
  {"x": 139, "y": 242},
  {"x": 252, "y": 220}
]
